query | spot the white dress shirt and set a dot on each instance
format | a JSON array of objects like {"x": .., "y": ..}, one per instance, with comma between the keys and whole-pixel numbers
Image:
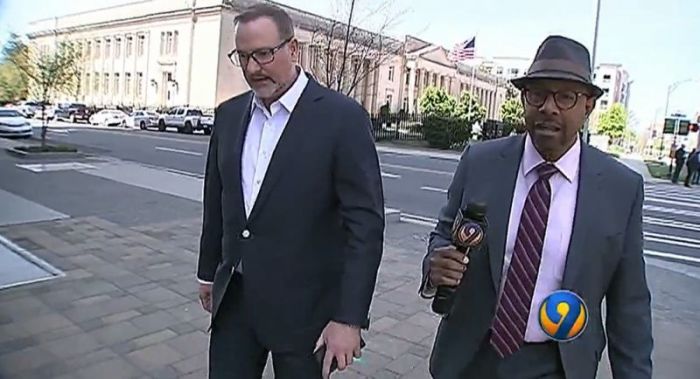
[
  {"x": 564, "y": 185},
  {"x": 264, "y": 131}
]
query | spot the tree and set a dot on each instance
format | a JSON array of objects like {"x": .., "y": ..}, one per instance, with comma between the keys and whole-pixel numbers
[
  {"x": 469, "y": 110},
  {"x": 50, "y": 71},
  {"x": 613, "y": 122},
  {"x": 344, "y": 55},
  {"x": 436, "y": 102},
  {"x": 13, "y": 83},
  {"x": 512, "y": 113}
]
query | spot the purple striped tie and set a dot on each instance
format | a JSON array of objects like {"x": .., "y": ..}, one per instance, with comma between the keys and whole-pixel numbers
[{"x": 510, "y": 322}]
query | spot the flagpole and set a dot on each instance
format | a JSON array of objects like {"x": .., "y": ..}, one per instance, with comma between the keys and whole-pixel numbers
[{"x": 471, "y": 85}]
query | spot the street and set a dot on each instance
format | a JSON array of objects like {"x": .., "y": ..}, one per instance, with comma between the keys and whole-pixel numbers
[
  {"x": 416, "y": 185},
  {"x": 122, "y": 225}
]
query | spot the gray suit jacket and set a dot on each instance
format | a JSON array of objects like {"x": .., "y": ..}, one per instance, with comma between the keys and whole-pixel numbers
[
  {"x": 312, "y": 244},
  {"x": 605, "y": 260}
]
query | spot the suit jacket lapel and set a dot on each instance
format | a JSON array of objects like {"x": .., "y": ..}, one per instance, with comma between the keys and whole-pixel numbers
[
  {"x": 505, "y": 168},
  {"x": 289, "y": 143},
  {"x": 589, "y": 187},
  {"x": 241, "y": 131}
]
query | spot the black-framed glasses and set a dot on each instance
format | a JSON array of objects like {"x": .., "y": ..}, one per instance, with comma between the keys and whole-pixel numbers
[
  {"x": 260, "y": 56},
  {"x": 564, "y": 100}
]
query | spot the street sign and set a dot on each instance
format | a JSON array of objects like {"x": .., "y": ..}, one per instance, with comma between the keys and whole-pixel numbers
[{"x": 683, "y": 127}]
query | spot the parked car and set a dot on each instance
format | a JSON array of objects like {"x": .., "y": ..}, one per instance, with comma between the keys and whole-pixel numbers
[
  {"x": 142, "y": 119},
  {"x": 13, "y": 124},
  {"x": 207, "y": 121},
  {"x": 109, "y": 117},
  {"x": 185, "y": 119},
  {"x": 72, "y": 112}
]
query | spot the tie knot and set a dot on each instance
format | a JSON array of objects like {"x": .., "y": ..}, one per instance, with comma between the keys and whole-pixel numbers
[{"x": 546, "y": 170}]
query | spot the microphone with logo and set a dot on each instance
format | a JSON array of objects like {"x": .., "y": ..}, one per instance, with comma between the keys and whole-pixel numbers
[{"x": 468, "y": 232}]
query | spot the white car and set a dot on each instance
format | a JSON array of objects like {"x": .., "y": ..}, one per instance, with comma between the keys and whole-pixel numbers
[
  {"x": 142, "y": 119},
  {"x": 13, "y": 124},
  {"x": 108, "y": 117}
]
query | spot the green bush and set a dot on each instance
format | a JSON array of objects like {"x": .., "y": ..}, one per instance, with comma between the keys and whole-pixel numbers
[{"x": 445, "y": 132}]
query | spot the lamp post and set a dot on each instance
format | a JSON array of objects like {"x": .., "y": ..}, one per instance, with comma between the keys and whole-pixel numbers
[
  {"x": 593, "y": 56},
  {"x": 672, "y": 87}
]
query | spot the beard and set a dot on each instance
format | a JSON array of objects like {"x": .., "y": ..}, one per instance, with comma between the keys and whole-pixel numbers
[{"x": 264, "y": 87}]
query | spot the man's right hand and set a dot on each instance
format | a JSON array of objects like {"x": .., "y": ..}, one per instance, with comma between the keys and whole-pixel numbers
[
  {"x": 447, "y": 266},
  {"x": 205, "y": 296}
]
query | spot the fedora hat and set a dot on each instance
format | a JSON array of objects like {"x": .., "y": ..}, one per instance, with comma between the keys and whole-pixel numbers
[{"x": 560, "y": 58}]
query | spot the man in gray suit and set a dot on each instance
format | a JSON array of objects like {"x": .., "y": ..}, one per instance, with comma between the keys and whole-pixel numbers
[{"x": 561, "y": 215}]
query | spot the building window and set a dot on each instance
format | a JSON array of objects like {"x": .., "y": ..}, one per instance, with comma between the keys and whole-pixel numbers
[
  {"x": 434, "y": 80},
  {"x": 105, "y": 84},
  {"x": 162, "y": 43},
  {"x": 408, "y": 75},
  {"x": 87, "y": 83},
  {"x": 604, "y": 104},
  {"x": 139, "y": 84},
  {"x": 88, "y": 51},
  {"x": 606, "y": 78},
  {"x": 117, "y": 47},
  {"x": 389, "y": 100},
  {"x": 98, "y": 46},
  {"x": 129, "y": 46},
  {"x": 141, "y": 45},
  {"x": 127, "y": 83},
  {"x": 442, "y": 81},
  {"x": 108, "y": 47},
  {"x": 499, "y": 70},
  {"x": 404, "y": 106},
  {"x": 115, "y": 87},
  {"x": 391, "y": 73}
]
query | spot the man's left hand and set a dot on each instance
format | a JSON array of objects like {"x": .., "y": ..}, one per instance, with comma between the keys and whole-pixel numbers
[{"x": 342, "y": 343}]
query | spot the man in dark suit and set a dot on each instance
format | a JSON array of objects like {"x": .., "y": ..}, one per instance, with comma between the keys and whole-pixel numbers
[
  {"x": 293, "y": 221},
  {"x": 560, "y": 215}
]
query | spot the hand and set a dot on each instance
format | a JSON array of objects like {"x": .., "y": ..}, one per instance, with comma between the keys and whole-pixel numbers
[
  {"x": 342, "y": 344},
  {"x": 205, "y": 296},
  {"x": 447, "y": 266}
]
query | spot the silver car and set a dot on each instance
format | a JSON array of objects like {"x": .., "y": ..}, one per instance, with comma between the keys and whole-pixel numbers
[{"x": 14, "y": 124}]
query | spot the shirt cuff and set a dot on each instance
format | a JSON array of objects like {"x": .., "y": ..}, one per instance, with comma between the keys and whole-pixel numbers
[
  {"x": 204, "y": 281},
  {"x": 427, "y": 290}
]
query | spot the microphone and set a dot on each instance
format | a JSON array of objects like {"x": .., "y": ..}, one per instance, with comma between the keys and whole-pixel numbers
[{"x": 468, "y": 232}]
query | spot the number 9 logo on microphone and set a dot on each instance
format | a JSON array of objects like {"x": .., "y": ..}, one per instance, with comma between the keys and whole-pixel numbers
[{"x": 563, "y": 316}]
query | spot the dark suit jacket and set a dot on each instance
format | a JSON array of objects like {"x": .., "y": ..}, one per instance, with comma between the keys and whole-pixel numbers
[
  {"x": 605, "y": 259},
  {"x": 315, "y": 234}
]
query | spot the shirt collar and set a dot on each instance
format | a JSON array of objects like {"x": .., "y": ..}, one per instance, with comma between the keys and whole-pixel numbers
[
  {"x": 288, "y": 100},
  {"x": 567, "y": 165}
]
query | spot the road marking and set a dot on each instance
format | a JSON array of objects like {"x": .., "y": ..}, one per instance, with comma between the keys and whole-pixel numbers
[
  {"x": 141, "y": 134},
  {"x": 684, "y": 258},
  {"x": 674, "y": 211},
  {"x": 416, "y": 169},
  {"x": 674, "y": 202},
  {"x": 390, "y": 176},
  {"x": 671, "y": 239},
  {"x": 670, "y": 223},
  {"x": 188, "y": 173},
  {"x": 187, "y": 152},
  {"x": 433, "y": 189}
]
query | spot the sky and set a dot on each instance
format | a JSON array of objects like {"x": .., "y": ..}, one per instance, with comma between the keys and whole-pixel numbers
[{"x": 657, "y": 41}]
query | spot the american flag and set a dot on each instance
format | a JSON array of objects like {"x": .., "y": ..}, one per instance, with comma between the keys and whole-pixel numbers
[{"x": 463, "y": 50}]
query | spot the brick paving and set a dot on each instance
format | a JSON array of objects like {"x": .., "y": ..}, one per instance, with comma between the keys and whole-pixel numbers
[{"x": 127, "y": 308}]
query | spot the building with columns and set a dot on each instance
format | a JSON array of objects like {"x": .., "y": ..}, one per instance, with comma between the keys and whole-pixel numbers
[{"x": 163, "y": 53}]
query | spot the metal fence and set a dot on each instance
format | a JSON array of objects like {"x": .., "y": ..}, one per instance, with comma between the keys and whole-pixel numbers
[{"x": 397, "y": 127}]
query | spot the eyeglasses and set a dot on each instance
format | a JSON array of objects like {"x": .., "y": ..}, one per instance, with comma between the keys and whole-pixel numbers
[
  {"x": 564, "y": 100},
  {"x": 260, "y": 56}
]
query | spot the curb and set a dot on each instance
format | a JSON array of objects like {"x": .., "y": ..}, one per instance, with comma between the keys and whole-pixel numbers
[{"x": 27, "y": 155}]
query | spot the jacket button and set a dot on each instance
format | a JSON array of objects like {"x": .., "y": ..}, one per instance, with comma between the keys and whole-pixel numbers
[{"x": 245, "y": 233}]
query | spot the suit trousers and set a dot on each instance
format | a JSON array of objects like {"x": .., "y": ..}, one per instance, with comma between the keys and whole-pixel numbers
[
  {"x": 236, "y": 353},
  {"x": 532, "y": 361}
]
